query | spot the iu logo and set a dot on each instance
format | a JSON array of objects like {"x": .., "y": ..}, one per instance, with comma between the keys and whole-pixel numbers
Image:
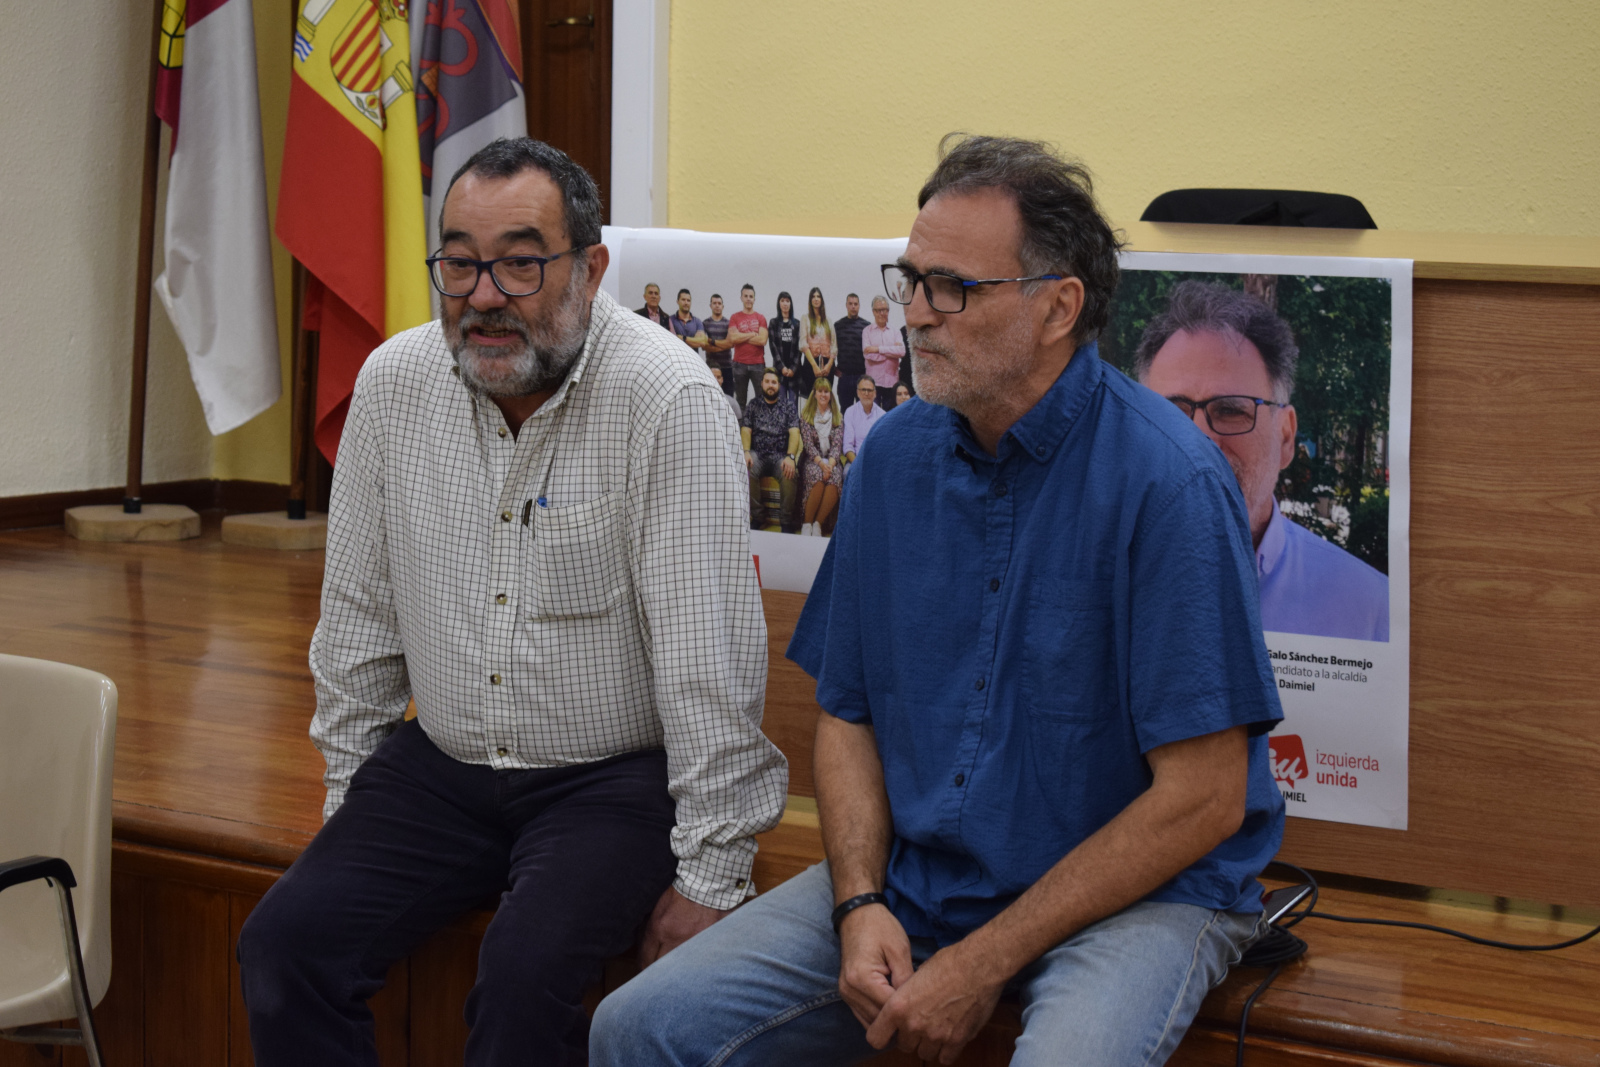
[{"x": 1288, "y": 759}]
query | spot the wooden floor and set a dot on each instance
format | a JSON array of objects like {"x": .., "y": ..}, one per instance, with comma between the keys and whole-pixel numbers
[{"x": 218, "y": 788}]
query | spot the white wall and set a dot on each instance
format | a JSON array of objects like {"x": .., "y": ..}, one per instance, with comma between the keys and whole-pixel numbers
[{"x": 72, "y": 75}]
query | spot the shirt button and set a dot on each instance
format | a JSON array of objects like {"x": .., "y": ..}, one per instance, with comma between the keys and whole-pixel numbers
[
  {"x": 960, "y": 778},
  {"x": 505, "y": 516},
  {"x": 1039, "y": 451},
  {"x": 994, "y": 585},
  {"x": 495, "y": 679},
  {"x": 978, "y": 686},
  {"x": 1000, "y": 490},
  {"x": 501, "y": 431},
  {"x": 500, "y": 598},
  {"x": 502, "y": 750}
]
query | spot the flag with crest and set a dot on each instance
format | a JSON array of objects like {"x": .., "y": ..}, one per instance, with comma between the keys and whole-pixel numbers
[{"x": 350, "y": 206}]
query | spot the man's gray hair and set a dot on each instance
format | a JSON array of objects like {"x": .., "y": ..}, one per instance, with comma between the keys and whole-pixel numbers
[
  {"x": 1063, "y": 229},
  {"x": 1210, "y": 307},
  {"x": 506, "y": 157}
]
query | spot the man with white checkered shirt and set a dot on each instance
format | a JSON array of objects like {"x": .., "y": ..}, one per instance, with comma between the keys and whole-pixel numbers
[{"x": 538, "y": 533}]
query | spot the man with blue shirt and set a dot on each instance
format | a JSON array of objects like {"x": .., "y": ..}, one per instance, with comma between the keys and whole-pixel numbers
[
  {"x": 1043, "y": 766},
  {"x": 1227, "y": 360}
]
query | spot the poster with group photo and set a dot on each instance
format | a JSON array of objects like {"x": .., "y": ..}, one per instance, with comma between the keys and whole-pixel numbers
[
  {"x": 1313, "y": 415},
  {"x": 814, "y": 278}
]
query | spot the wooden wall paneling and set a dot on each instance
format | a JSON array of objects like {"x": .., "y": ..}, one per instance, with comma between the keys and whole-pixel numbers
[
  {"x": 120, "y": 1016},
  {"x": 567, "y": 77},
  {"x": 240, "y": 905},
  {"x": 1505, "y": 562},
  {"x": 186, "y": 989},
  {"x": 442, "y": 973},
  {"x": 16, "y": 1055},
  {"x": 791, "y": 708},
  {"x": 391, "y": 1018}
]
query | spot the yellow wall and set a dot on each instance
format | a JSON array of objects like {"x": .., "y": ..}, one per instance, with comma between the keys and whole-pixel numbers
[{"x": 822, "y": 117}]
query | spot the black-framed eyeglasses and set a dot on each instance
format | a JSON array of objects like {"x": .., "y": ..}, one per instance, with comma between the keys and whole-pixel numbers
[
  {"x": 1228, "y": 416},
  {"x": 947, "y": 294},
  {"x": 512, "y": 275}
]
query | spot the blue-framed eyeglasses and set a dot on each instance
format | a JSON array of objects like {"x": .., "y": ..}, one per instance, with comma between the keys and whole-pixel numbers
[
  {"x": 512, "y": 275},
  {"x": 947, "y": 294}
]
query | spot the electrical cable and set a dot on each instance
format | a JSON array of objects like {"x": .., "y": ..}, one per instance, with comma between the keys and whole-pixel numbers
[
  {"x": 1278, "y": 947},
  {"x": 1510, "y": 945}
]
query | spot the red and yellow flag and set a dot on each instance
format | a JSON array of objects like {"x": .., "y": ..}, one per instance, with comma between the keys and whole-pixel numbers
[{"x": 350, "y": 204}]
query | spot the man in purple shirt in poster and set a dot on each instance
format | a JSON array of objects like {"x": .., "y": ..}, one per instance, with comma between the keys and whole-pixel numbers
[{"x": 1228, "y": 360}]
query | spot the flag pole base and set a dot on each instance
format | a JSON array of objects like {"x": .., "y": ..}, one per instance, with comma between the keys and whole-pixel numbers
[
  {"x": 152, "y": 522},
  {"x": 277, "y": 529}
]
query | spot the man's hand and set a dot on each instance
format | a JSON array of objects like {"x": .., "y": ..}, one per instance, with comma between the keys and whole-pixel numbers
[
  {"x": 874, "y": 960},
  {"x": 749, "y": 460},
  {"x": 675, "y": 920},
  {"x": 788, "y": 469},
  {"x": 937, "y": 1010}
]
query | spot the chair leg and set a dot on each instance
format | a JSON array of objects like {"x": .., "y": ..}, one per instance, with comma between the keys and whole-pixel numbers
[{"x": 90, "y": 1038}]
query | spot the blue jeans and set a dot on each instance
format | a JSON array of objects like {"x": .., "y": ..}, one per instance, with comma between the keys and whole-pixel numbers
[{"x": 761, "y": 987}]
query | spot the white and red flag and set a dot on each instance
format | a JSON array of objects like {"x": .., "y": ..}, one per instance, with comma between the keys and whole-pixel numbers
[{"x": 217, "y": 285}]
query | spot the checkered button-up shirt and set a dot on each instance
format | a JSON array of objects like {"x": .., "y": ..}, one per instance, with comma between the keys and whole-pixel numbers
[{"x": 578, "y": 590}]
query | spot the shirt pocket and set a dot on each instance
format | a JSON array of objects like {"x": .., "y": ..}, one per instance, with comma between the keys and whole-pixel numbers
[
  {"x": 1069, "y": 651},
  {"x": 577, "y": 562}
]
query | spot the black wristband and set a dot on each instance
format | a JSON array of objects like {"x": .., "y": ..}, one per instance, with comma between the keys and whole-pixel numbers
[{"x": 856, "y": 902}]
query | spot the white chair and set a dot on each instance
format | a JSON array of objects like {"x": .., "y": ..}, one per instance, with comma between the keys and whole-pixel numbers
[{"x": 58, "y": 728}]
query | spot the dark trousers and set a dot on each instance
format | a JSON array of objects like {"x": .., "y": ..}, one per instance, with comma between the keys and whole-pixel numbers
[
  {"x": 845, "y": 389},
  {"x": 422, "y": 838},
  {"x": 770, "y": 465},
  {"x": 747, "y": 381},
  {"x": 723, "y": 361}
]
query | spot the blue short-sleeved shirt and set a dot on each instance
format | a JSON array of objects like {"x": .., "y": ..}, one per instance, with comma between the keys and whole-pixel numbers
[{"x": 1044, "y": 618}]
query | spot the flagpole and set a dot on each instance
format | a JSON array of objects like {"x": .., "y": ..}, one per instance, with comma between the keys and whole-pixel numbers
[
  {"x": 298, "y": 390},
  {"x": 131, "y": 497}
]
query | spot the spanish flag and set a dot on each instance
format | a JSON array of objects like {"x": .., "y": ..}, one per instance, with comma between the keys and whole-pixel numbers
[{"x": 350, "y": 204}]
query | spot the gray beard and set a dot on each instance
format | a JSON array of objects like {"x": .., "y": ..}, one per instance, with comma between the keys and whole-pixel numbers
[
  {"x": 547, "y": 354},
  {"x": 972, "y": 383}
]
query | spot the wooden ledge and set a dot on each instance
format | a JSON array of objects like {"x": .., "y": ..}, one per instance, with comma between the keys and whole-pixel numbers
[{"x": 217, "y": 838}]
